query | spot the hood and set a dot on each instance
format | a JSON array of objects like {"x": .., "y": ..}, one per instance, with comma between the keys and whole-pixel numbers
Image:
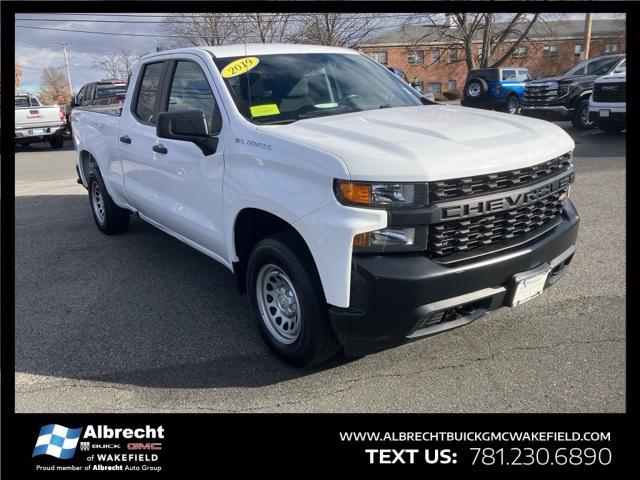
[
  {"x": 545, "y": 80},
  {"x": 613, "y": 77},
  {"x": 431, "y": 142}
]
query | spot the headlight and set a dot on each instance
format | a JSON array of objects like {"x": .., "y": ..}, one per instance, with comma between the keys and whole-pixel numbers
[
  {"x": 381, "y": 195},
  {"x": 391, "y": 239},
  {"x": 566, "y": 89}
]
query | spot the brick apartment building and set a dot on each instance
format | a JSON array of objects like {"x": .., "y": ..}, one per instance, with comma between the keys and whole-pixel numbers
[{"x": 552, "y": 48}]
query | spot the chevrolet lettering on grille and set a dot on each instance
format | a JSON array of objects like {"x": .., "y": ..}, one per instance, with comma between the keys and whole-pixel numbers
[{"x": 504, "y": 201}]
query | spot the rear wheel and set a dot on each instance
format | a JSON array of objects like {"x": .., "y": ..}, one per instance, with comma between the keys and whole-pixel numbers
[
  {"x": 580, "y": 119},
  {"x": 109, "y": 217},
  {"x": 57, "y": 141},
  {"x": 287, "y": 301}
]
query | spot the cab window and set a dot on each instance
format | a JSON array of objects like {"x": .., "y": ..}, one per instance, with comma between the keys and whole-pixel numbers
[
  {"x": 148, "y": 90},
  {"x": 508, "y": 75},
  {"x": 190, "y": 90}
]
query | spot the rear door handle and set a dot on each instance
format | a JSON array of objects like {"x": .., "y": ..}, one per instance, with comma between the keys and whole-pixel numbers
[
  {"x": 125, "y": 139},
  {"x": 159, "y": 148}
]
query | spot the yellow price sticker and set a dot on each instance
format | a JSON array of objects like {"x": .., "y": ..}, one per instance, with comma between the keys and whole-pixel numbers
[
  {"x": 240, "y": 66},
  {"x": 264, "y": 110}
]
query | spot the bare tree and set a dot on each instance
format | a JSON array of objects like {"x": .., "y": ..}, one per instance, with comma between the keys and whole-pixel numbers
[
  {"x": 199, "y": 29},
  {"x": 261, "y": 27},
  {"x": 498, "y": 39},
  {"x": 338, "y": 29},
  {"x": 18, "y": 73},
  {"x": 118, "y": 64},
  {"x": 54, "y": 87}
]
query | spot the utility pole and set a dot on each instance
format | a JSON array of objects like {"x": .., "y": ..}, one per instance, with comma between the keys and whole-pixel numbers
[
  {"x": 587, "y": 36},
  {"x": 66, "y": 64}
]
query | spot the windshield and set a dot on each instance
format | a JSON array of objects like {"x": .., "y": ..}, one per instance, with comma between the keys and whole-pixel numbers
[
  {"x": 110, "y": 90},
  {"x": 622, "y": 68},
  {"x": 597, "y": 66},
  {"x": 283, "y": 88}
]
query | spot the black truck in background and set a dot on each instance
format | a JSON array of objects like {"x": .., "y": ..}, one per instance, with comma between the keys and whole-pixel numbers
[{"x": 567, "y": 96}]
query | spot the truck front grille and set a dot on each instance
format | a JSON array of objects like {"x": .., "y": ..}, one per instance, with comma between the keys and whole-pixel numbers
[
  {"x": 540, "y": 93},
  {"x": 610, "y": 92},
  {"x": 496, "y": 182},
  {"x": 461, "y": 236}
]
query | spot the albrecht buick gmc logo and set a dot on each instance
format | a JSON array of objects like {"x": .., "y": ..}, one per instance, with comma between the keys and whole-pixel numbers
[{"x": 61, "y": 442}]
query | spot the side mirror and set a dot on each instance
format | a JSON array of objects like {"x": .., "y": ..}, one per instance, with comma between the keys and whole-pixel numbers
[
  {"x": 187, "y": 126},
  {"x": 74, "y": 102}
]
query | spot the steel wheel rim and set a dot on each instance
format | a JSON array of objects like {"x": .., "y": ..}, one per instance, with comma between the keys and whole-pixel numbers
[
  {"x": 474, "y": 90},
  {"x": 585, "y": 117},
  {"x": 278, "y": 304},
  {"x": 97, "y": 201}
]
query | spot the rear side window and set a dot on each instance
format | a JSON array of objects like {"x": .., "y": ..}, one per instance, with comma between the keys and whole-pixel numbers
[
  {"x": 148, "y": 92},
  {"x": 524, "y": 75},
  {"x": 190, "y": 90},
  {"x": 508, "y": 75}
]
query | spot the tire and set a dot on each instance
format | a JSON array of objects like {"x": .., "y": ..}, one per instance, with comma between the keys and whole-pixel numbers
[
  {"x": 611, "y": 127},
  {"x": 580, "y": 119},
  {"x": 56, "y": 141},
  {"x": 476, "y": 88},
  {"x": 110, "y": 218},
  {"x": 303, "y": 336},
  {"x": 513, "y": 105}
]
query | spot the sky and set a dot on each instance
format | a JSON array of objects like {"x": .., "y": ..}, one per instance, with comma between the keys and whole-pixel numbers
[{"x": 38, "y": 47}]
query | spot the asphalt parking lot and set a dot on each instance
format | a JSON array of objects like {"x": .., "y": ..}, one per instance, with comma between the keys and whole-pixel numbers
[{"x": 142, "y": 323}]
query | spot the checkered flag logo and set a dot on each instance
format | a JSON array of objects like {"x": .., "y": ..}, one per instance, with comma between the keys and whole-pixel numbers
[{"x": 57, "y": 441}]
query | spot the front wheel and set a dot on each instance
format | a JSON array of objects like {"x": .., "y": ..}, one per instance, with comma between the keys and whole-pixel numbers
[
  {"x": 287, "y": 301},
  {"x": 512, "y": 106},
  {"x": 580, "y": 119}
]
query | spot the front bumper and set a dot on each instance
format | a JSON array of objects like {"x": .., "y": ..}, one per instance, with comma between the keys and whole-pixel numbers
[
  {"x": 486, "y": 103},
  {"x": 397, "y": 297}
]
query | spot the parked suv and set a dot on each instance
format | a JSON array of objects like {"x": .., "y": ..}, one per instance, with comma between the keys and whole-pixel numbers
[
  {"x": 567, "y": 96},
  {"x": 608, "y": 103},
  {"x": 353, "y": 212},
  {"x": 495, "y": 88}
]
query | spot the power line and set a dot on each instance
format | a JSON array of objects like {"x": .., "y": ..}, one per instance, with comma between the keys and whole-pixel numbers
[{"x": 161, "y": 35}]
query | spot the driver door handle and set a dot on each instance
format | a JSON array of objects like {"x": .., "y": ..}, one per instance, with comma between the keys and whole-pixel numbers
[
  {"x": 125, "y": 139},
  {"x": 159, "y": 148}
]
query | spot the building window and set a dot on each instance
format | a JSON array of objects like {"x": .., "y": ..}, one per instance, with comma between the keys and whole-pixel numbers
[
  {"x": 577, "y": 50},
  {"x": 453, "y": 55},
  {"x": 417, "y": 83},
  {"x": 452, "y": 85},
  {"x": 434, "y": 87},
  {"x": 480, "y": 53},
  {"x": 519, "y": 52},
  {"x": 550, "y": 51},
  {"x": 415, "y": 57},
  {"x": 610, "y": 48},
  {"x": 435, "y": 55},
  {"x": 380, "y": 57}
]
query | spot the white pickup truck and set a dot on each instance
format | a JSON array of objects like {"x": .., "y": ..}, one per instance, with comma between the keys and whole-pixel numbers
[
  {"x": 354, "y": 212},
  {"x": 608, "y": 103},
  {"x": 37, "y": 123}
]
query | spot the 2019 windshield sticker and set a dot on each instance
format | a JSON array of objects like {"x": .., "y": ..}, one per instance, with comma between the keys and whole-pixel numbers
[{"x": 240, "y": 66}]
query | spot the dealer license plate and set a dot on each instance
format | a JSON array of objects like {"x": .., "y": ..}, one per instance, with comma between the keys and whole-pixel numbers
[
  {"x": 529, "y": 287},
  {"x": 604, "y": 113},
  {"x": 38, "y": 131}
]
